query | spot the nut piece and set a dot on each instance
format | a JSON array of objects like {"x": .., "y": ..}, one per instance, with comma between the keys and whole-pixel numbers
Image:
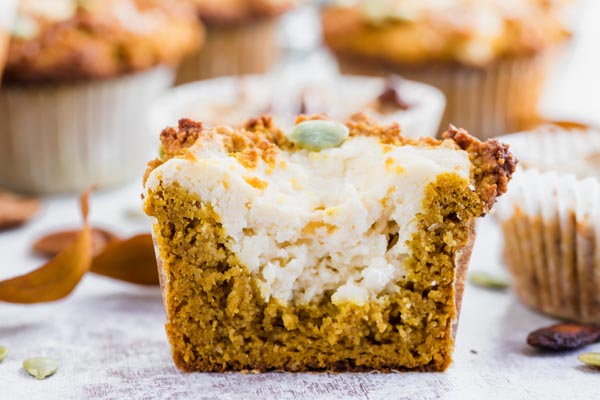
[
  {"x": 40, "y": 367},
  {"x": 592, "y": 359},
  {"x": 315, "y": 135},
  {"x": 567, "y": 336},
  {"x": 390, "y": 99},
  {"x": 3, "y": 353},
  {"x": 52, "y": 244},
  {"x": 16, "y": 210}
]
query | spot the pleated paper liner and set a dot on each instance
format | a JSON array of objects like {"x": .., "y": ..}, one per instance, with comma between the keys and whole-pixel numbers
[
  {"x": 249, "y": 48},
  {"x": 487, "y": 101},
  {"x": 65, "y": 138},
  {"x": 550, "y": 224}
]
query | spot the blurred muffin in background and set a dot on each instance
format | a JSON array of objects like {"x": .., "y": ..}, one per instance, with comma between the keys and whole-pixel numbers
[
  {"x": 489, "y": 57},
  {"x": 241, "y": 38},
  {"x": 8, "y": 11},
  {"x": 232, "y": 101},
  {"x": 550, "y": 221},
  {"x": 78, "y": 80}
]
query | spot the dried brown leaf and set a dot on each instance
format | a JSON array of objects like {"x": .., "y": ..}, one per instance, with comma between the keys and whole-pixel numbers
[
  {"x": 16, "y": 210},
  {"x": 565, "y": 336},
  {"x": 58, "y": 277},
  {"x": 52, "y": 244},
  {"x": 130, "y": 260}
]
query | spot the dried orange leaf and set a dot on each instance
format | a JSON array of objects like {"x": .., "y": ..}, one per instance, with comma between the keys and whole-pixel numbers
[
  {"x": 570, "y": 125},
  {"x": 52, "y": 244},
  {"x": 130, "y": 260},
  {"x": 58, "y": 277}
]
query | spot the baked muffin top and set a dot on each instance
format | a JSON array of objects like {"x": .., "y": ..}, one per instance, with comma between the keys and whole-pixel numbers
[
  {"x": 259, "y": 144},
  {"x": 78, "y": 40},
  {"x": 227, "y": 12},
  {"x": 470, "y": 32}
]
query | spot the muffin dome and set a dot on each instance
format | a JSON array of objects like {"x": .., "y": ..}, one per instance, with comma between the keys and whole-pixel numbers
[
  {"x": 69, "y": 40},
  {"x": 462, "y": 31}
]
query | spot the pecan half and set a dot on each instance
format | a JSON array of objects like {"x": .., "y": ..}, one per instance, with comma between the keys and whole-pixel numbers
[
  {"x": 390, "y": 99},
  {"x": 565, "y": 336}
]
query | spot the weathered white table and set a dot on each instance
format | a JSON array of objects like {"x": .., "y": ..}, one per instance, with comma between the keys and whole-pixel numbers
[{"x": 111, "y": 344}]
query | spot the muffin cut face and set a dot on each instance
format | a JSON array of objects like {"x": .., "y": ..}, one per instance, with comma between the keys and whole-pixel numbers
[{"x": 275, "y": 257}]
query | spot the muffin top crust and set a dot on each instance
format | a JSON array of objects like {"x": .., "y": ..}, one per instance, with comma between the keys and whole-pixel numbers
[
  {"x": 231, "y": 12},
  {"x": 65, "y": 41},
  {"x": 261, "y": 142},
  {"x": 469, "y": 32}
]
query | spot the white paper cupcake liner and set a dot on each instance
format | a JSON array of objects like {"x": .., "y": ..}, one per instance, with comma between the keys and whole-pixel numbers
[
  {"x": 232, "y": 101},
  {"x": 551, "y": 147},
  {"x": 551, "y": 228},
  {"x": 66, "y": 138},
  {"x": 488, "y": 101},
  {"x": 249, "y": 48}
]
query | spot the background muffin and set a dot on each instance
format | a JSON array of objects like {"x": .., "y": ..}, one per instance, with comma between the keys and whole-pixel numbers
[
  {"x": 416, "y": 107},
  {"x": 550, "y": 222},
  {"x": 78, "y": 79},
  {"x": 488, "y": 57},
  {"x": 241, "y": 38}
]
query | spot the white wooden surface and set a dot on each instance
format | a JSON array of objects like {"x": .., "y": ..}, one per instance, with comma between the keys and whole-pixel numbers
[
  {"x": 110, "y": 340},
  {"x": 111, "y": 344}
]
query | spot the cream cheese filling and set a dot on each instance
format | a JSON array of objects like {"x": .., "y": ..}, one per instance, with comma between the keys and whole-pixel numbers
[{"x": 335, "y": 221}]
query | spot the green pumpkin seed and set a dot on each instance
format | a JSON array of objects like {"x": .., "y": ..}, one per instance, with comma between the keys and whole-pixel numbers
[
  {"x": 486, "y": 280},
  {"x": 3, "y": 353},
  {"x": 317, "y": 135},
  {"x": 135, "y": 214},
  {"x": 40, "y": 367},
  {"x": 592, "y": 359},
  {"x": 161, "y": 151}
]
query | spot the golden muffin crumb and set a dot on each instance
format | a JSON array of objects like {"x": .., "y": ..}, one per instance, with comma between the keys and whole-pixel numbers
[{"x": 219, "y": 318}]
